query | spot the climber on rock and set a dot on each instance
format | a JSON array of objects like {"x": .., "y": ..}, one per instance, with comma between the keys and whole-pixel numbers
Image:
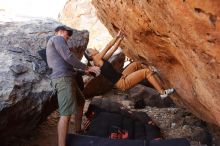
[{"x": 133, "y": 73}]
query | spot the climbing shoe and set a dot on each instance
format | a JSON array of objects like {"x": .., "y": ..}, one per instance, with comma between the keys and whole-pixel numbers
[{"x": 167, "y": 92}]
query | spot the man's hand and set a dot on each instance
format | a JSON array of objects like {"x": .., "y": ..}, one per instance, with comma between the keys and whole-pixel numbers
[{"x": 93, "y": 70}]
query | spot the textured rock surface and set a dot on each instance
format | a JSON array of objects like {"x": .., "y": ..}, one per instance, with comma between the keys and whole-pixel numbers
[
  {"x": 80, "y": 14},
  {"x": 143, "y": 96},
  {"x": 24, "y": 87},
  {"x": 180, "y": 38}
]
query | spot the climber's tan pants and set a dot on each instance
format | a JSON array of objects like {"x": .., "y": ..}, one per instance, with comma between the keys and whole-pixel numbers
[{"x": 133, "y": 74}]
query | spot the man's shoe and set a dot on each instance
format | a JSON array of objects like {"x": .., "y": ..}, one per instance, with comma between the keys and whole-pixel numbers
[{"x": 167, "y": 92}]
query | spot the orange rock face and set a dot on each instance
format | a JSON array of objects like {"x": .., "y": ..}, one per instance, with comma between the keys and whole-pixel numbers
[{"x": 180, "y": 38}]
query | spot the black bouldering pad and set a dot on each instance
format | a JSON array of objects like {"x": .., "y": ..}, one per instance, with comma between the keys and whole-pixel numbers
[{"x": 82, "y": 140}]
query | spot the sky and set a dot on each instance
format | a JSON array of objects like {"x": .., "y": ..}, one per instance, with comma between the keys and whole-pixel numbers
[{"x": 33, "y": 8}]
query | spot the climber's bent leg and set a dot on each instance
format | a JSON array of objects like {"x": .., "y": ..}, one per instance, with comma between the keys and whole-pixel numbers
[
  {"x": 129, "y": 81},
  {"x": 146, "y": 73},
  {"x": 132, "y": 79},
  {"x": 153, "y": 79},
  {"x": 157, "y": 83},
  {"x": 134, "y": 66}
]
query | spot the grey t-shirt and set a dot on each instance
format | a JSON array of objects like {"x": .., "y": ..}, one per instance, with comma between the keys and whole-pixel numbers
[{"x": 60, "y": 59}]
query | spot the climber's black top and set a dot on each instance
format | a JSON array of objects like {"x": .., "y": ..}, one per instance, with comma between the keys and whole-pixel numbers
[{"x": 108, "y": 71}]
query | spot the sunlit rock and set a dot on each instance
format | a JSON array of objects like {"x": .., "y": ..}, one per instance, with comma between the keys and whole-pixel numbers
[
  {"x": 180, "y": 38},
  {"x": 80, "y": 14}
]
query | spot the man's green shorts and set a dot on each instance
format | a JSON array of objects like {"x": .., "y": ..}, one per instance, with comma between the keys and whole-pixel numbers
[{"x": 68, "y": 94}]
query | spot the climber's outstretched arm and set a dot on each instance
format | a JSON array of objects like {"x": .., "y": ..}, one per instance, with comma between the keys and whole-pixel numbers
[
  {"x": 113, "y": 49},
  {"x": 109, "y": 45}
]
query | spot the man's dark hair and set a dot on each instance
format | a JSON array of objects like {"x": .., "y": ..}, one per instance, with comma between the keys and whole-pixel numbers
[{"x": 63, "y": 27}]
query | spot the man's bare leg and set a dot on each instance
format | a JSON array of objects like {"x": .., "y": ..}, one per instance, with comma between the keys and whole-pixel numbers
[
  {"x": 77, "y": 118},
  {"x": 63, "y": 126}
]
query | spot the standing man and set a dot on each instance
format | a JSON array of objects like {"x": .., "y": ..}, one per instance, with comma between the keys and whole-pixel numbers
[
  {"x": 77, "y": 117},
  {"x": 62, "y": 62}
]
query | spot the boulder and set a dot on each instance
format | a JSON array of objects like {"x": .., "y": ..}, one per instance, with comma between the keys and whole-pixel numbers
[
  {"x": 142, "y": 96},
  {"x": 81, "y": 14},
  {"x": 180, "y": 38},
  {"x": 26, "y": 97}
]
